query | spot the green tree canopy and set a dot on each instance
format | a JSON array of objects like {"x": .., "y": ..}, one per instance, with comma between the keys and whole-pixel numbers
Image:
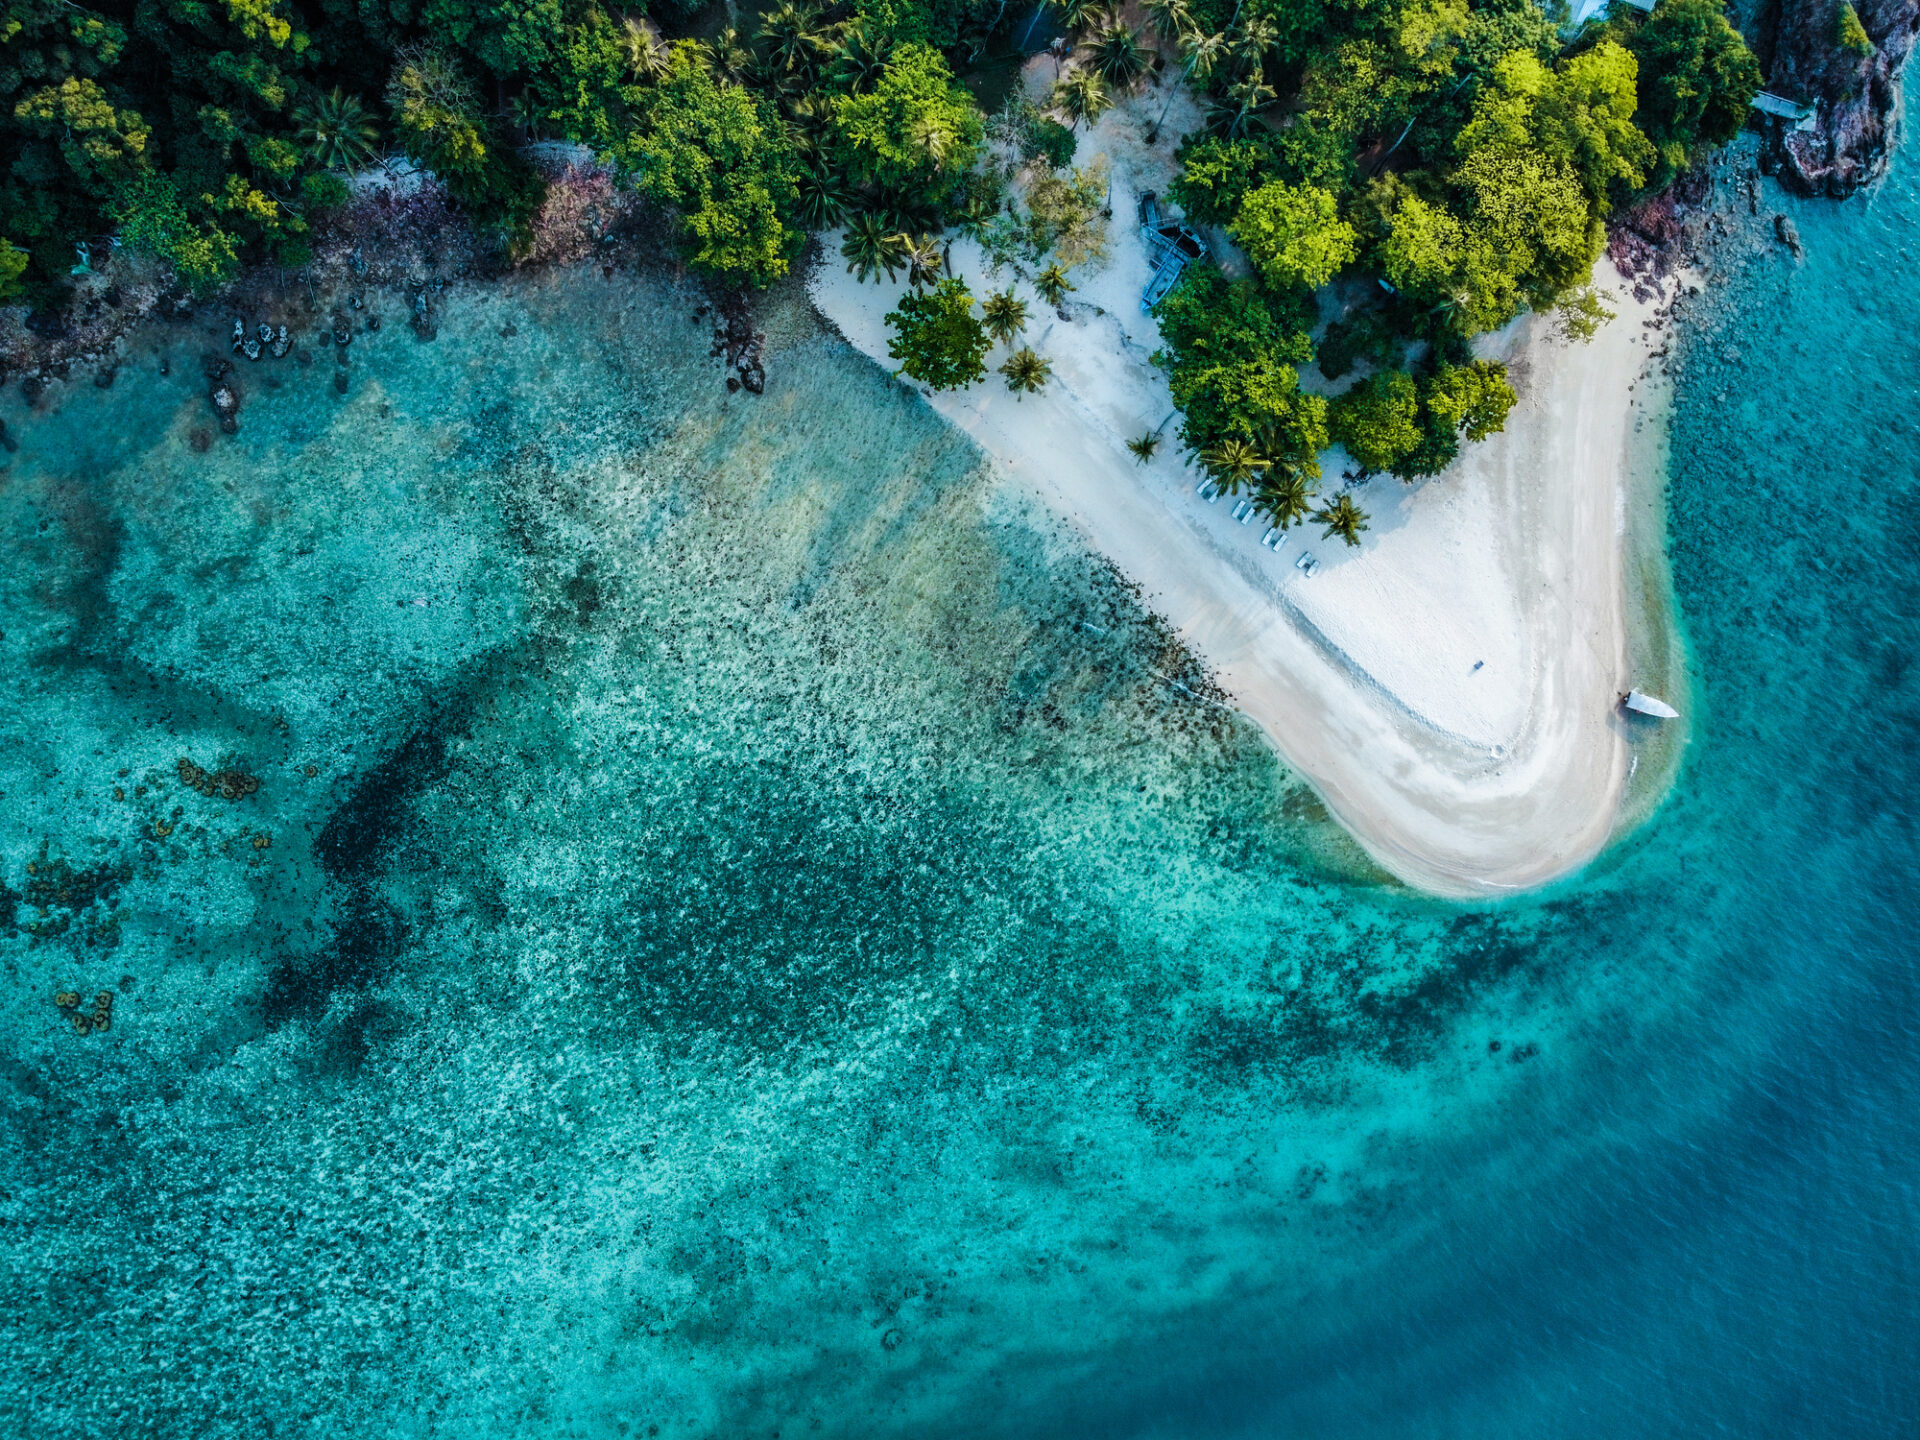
[
  {"x": 1294, "y": 235},
  {"x": 914, "y": 132},
  {"x": 1378, "y": 420},
  {"x": 937, "y": 338},
  {"x": 1471, "y": 399},
  {"x": 1215, "y": 175},
  {"x": 719, "y": 155},
  {"x": 1697, "y": 79}
]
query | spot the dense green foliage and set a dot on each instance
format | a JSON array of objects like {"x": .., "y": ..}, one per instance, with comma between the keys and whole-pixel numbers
[
  {"x": 1463, "y": 154},
  {"x": 196, "y": 131},
  {"x": 1453, "y": 162},
  {"x": 1697, "y": 79},
  {"x": 1850, "y": 33},
  {"x": 937, "y": 338},
  {"x": 719, "y": 155}
]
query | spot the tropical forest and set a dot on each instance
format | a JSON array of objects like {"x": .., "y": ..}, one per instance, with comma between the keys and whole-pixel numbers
[{"x": 1447, "y": 165}]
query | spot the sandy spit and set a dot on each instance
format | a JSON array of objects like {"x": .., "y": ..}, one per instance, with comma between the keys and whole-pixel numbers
[{"x": 1450, "y": 687}]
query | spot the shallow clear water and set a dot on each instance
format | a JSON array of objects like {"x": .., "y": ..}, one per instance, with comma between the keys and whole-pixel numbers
[{"x": 765, "y": 946}]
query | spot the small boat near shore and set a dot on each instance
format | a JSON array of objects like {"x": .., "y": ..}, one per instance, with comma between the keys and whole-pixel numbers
[{"x": 1644, "y": 704}]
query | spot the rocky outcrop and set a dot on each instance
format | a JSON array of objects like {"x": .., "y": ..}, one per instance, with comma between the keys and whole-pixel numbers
[{"x": 1854, "y": 93}]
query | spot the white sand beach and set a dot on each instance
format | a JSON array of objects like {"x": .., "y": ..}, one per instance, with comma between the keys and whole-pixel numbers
[{"x": 1450, "y": 686}]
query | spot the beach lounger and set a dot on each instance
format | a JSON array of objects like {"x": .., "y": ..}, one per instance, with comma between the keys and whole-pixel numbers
[{"x": 1273, "y": 538}]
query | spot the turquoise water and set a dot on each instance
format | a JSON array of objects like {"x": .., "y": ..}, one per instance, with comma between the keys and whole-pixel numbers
[{"x": 762, "y": 948}]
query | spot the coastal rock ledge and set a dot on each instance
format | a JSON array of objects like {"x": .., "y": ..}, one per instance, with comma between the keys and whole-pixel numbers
[{"x": 1855, "y": 92}]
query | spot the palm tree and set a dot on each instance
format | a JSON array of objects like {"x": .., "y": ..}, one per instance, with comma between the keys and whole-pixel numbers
[
  {"x": 936, "y": 139},
  {"x": 974, "y": 214},
  {"x": 731, "y": 57},
  {"x": 861, "y": 58},
  {"x": 1116, "y": 54},
  {"x": 1286, "y": 495},
  {"x": 1003, "y": 315},
  {"x": 1026, "y": 372},
  {"x": 1081, "y": 96},
  {"x": 1343, "y": 518},
  {"x": 923, "y": 260},
  {"x": 795, "y": 41},
  {"x": 1076, "y": 13},
  {"x": 336, "y": 131},
  {"x": 645, "y": 52},
  {"x": 1204, "y": 52},
  {"x": 1244, "y": 99},
  {"x": 1171, "y": 18},
  {"x": 1233, "y": 462},
  {"x": 1053, "y": 285},
  {"x": 873, "y": 245},
  {"x": 1256, "y": 38},
  {"x": 1144, "y": 446},
  {"x": 824, "y": 196}
]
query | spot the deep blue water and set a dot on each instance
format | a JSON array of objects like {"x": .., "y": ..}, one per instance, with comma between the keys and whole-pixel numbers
[
  {"x": 1736, "y": 1248},
  {"x": 733, "y": 952}
]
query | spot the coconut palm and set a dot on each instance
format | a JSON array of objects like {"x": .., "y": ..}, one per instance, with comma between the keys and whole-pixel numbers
[
  {"x": 1244, "y": 99},
  {"x": 861, "y": 58},
  {"x": 1204, "y": 54},
  {"x": 731, "y": 57},
  {"x": 1081, "y": 96},
  {"x": 643, "y": 49},
  {"x": 1074, "y": 14},
  {"x": 873, "y": 245},
  {"x": 824, "y": 196},
  {"x": 336, "y": 131},
  {"x": 973, "y": 214},
  {"x": 1053, "y": 285},
  {"x": 1026, "y": 372},
  {"x": 1003, "y": 315},
  {"x": 936, "y": 139},
  {"x": 1256, "y": 38},
  {"x": 1171, "y": 18},
  {"x": 1233, "y": 463},
  {"x": 1343, "y": 518},
  {"x": 1144, "y": 446},
  {"x": 794, "y": 39},
  {"x": 923, "y": 260},
  {"x": 1285, "y": 494},
  {"x": 1116, "y": 55}
]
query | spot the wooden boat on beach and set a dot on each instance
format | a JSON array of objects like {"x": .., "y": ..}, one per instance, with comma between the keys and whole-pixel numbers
[{"x": 1644, "y": 704}]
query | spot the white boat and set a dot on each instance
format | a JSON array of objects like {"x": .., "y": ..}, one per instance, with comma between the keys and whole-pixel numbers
[{"x": 1647, "y": 704}]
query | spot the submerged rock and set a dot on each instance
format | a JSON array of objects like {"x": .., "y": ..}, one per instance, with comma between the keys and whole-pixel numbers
[
  {"x": 1783, "y": 227},
  {"x": 423, "y": 326},
  {"x": 225, "y": 398}
]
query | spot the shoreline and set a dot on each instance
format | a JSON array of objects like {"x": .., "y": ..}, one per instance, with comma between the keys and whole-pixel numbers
[{"x": 1450, "y": 688}]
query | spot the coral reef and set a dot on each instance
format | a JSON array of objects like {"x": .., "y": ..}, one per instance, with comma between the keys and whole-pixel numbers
[
  {"x": 87, "y": 1022},
  {"x": 227, "y": 784}
]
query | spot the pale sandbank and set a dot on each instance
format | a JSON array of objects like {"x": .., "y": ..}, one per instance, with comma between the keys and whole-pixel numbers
[{"x": 1450, "y": 686}]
